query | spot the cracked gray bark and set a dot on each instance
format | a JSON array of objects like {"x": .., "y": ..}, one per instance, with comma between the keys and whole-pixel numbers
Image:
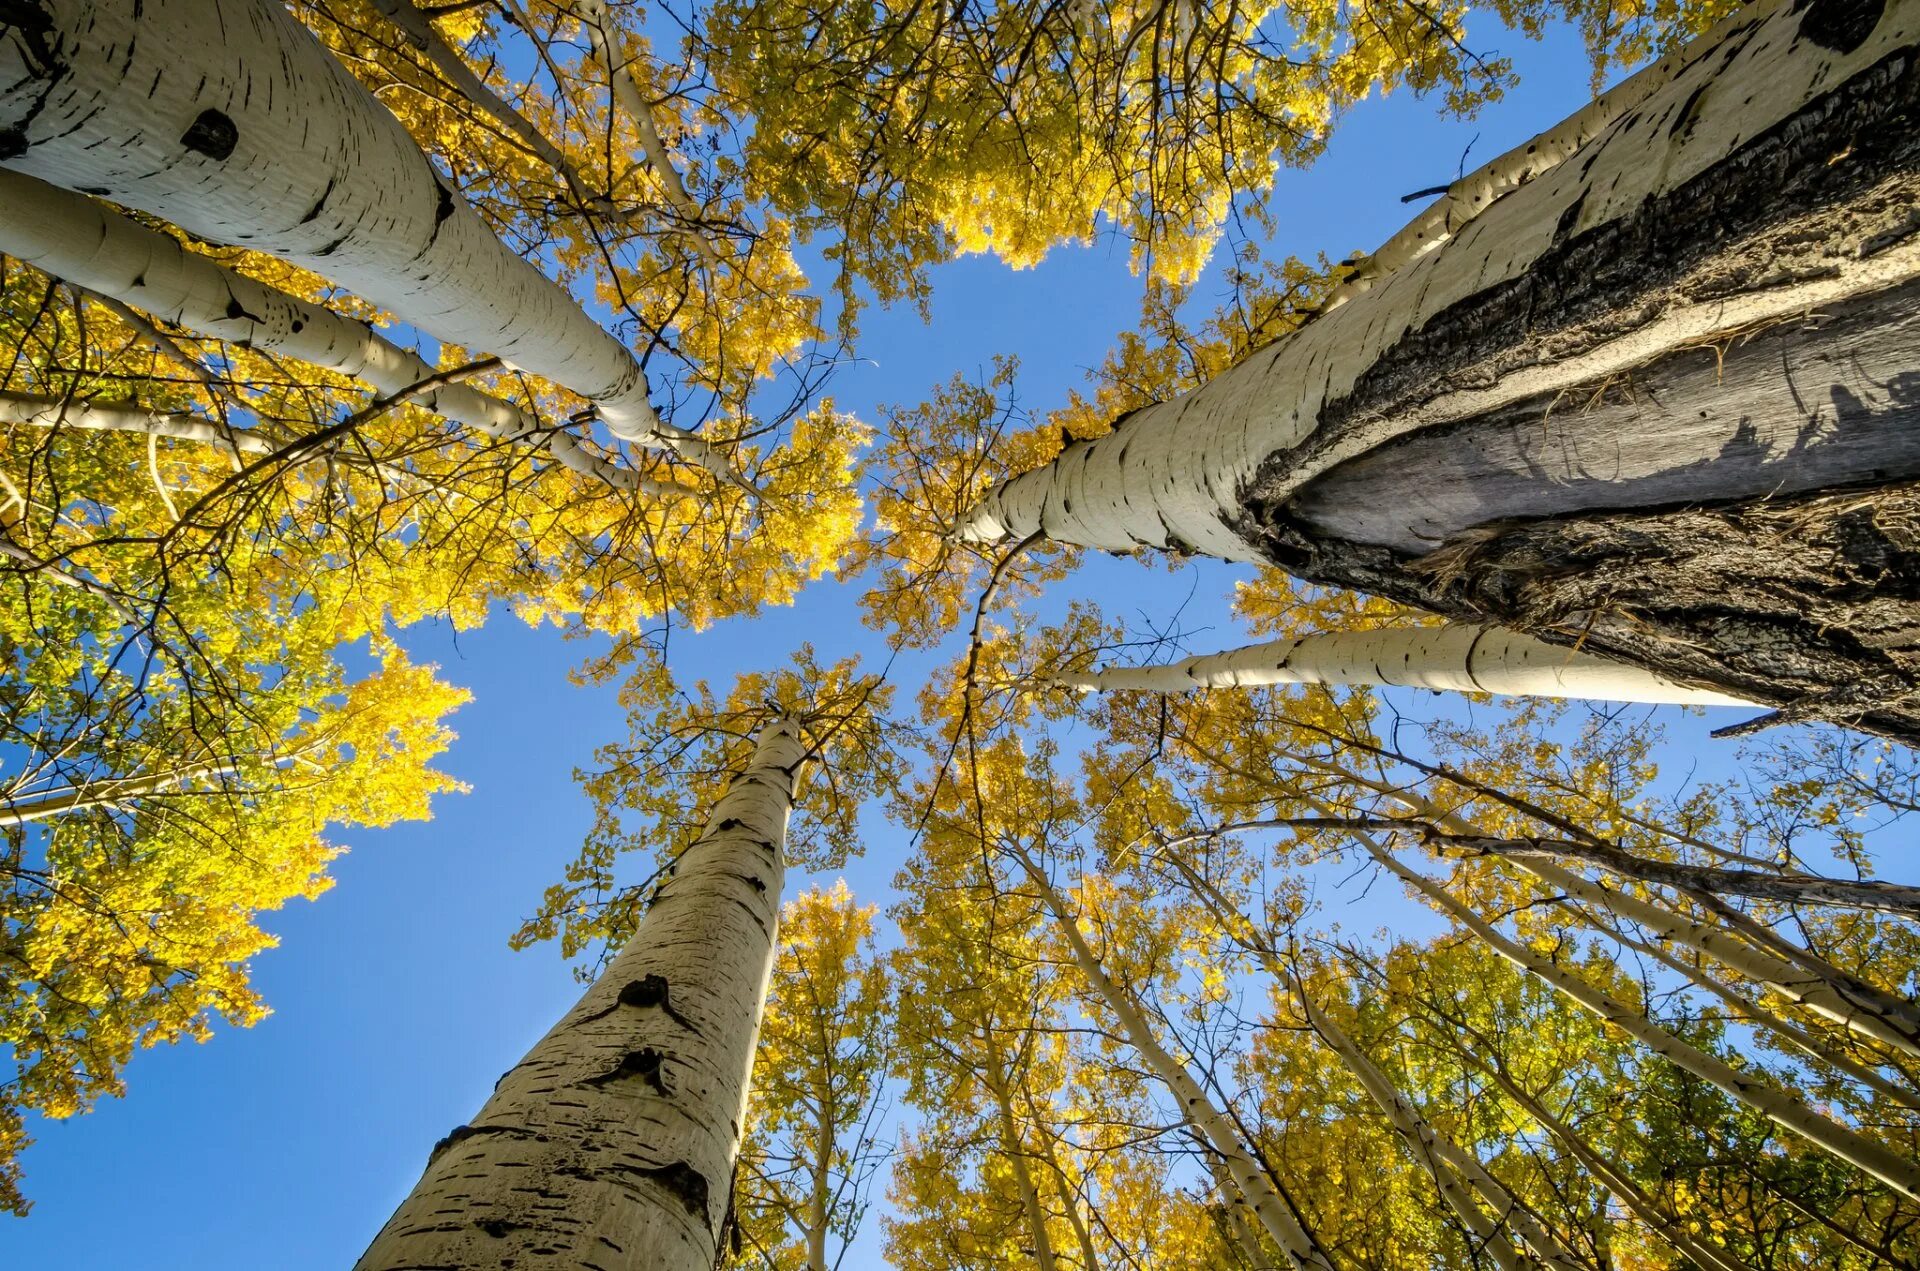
[
  {"x": 611, "y": 1146},
  {"x": 1657, "y": 401}
]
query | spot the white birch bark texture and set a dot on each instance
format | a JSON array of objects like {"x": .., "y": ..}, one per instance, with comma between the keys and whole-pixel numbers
[
  {"x": 230, "y": 120},
  {"x": 1179, "y": 474},
  {"x": 179, "y": 425},
  {"x": 83, "y": 242},
  {"x": 1453, "y": 658},
  {"x": 1872, "y": 1158},
  {"x": 612, "y": 1144}
]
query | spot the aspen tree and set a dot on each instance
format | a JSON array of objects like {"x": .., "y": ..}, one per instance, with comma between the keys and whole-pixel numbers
[
  {"x": 1268, "y": 1206},
  {"x": 80, "y": 241},
  {"x": 1388, "y": 445},
  {"x": 162, "y": 106},
  {"x": 1454, "y": 658},
  {"x": 633, "y": 1168},
  {"x": 1898, "y": 1173}
]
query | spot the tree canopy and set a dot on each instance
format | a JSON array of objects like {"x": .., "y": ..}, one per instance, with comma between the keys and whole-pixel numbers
[{"x": 533, "y": 310}]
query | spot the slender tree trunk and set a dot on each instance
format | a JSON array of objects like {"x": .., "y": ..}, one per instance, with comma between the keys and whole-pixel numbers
[
  {"x": 1436, "y": 1153},
  {"x": 1755, "y": 1013},
  {"x": 227, "y": 118},
  {"x": 1239, "y": 1231},
  {"x": 1426, "y": 1143},
  {"x": 996, "y": 1078},
  {"x": 179, "y": 425},
  {"x": 1709, "y": 1257},
  {"x": 1069, "y": 1194},
  {"x": 83, "y": 242},
  {"x": 1612, "y": 408},
  {"x": 1873, "y": 1158},
  {"x": 1785, "y": 889},
  {"x": 1456, "y": 658},
  {"x": 820, "y": 1198},
  {"x": 1268, "y": 1206},
  {"x": 97, "y": 794},
  {"x": 625, "y": 87},
  {"x": 1808, "y": 982},
  {"x": 612, "y": 1144}
]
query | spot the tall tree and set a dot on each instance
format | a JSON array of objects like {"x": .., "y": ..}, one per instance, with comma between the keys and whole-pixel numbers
[
  {"x": 656, "y": 1058},
  {"x": 1671, "y": 237}
]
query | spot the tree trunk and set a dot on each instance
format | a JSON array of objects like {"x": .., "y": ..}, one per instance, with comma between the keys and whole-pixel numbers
[
  {"x": 612, "y": 1144},
  {"x": 1709, "y": 1257},
  {"x": 1268, "y": 1206},
  {"x": 1615, "y": 407},
  {"x": 1785, "y": 889},
  {"x": 83, "y": 242},
  {"x": 1754, "y": 1013},
  {"x": 1875, "y": 1159},
  {"x": 227, "y": 118},
  {"x": 995, "y": 1078},
  {"x": 1435, "y": 1154},
  {"x": 1457, "y": 658},
  {"x": 1807, "y": 981}
]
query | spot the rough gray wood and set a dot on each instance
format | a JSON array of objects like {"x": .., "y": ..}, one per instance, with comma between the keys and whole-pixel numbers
[{"x": 1829, "y": 401}]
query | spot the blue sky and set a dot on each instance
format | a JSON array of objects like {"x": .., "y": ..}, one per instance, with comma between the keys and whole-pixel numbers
[{"x": 396, "y": 1002}]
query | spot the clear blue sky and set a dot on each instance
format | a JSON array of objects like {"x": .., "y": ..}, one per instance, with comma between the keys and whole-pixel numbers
[{"x": 396, "y": 1002}]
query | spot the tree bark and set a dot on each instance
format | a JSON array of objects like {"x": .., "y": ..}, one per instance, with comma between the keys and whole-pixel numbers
[
  {"x": 994, "y": 1076},
  {"x": 1785, "y": 889},
  {"x": 1456, "y": 658},
  {"x": 227, "y": 118},
  {"x": 1493, "y": 430},
  {"x": 81, "y": 241},
  {"x": 1268, "y": 1206},
  {"x": 1807, "y": 980},
  {"x": 1897, "y": 1172},
  {"x": 1670, "y": 1229},
  {"x": 612, "y": 1144}
]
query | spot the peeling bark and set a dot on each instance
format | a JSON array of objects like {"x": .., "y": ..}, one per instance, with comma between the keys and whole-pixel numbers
[
  {"x": 1663, "y": 271},
  {"x": 611, "y": 1145}
]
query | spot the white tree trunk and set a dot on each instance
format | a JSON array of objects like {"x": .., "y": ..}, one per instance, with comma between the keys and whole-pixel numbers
[
  {"x": 83, "y": 242},
  {"x": 1790, "y": 1114},
  {"x": 1710, "y": 1257},
  {"x": 612, "y": 1144},
  {"x": 1861, "y": 1008},
  {"x": 1175, "y": 474},
  {"x": 180, "y": 425},
  {"x": 1268, "y": 1206},
  {"x": 1434, "y": 1153},
  {"x": 227, "y": 118},
  {"x": 1452, "y": 658},
  {"x": 1755, "y": 1013},
  {"x": 625, "y": 87}
]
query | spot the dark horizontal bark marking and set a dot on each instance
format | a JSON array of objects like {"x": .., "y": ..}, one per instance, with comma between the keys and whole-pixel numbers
[{"x": 1824, "y": 402}]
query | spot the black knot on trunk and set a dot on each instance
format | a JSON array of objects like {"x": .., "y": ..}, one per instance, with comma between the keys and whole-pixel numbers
[
  {"x": 1840, "y": 25},
  {"x": 212, "y": 134},
  {"x": 686, "y": 1183}
]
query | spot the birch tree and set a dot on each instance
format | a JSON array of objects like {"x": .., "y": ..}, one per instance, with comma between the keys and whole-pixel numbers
[
  {"x": 657, "y": 1056},
  {"x": 1383, "y": 447}
]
